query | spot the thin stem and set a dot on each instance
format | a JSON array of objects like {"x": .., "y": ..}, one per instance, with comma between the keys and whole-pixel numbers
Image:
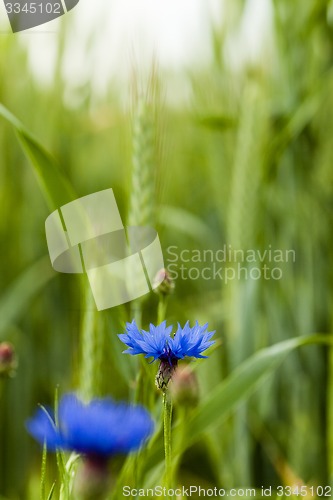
[
  {"x": 92, "y": 349},
  {"x": 161, "y": 309},
  {"x": 136, "y": 311},
  {"x": 63, "y": 494},
  {"x": 330, "y": 416},
  {"x": 167, "y": 406}
]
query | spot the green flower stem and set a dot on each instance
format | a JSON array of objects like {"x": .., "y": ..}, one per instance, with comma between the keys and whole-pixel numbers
[
  {"x": 68, "y": 474},
  {"x": 161, "y": 309},
  {"x": 330, "y": 417},
  {"x": 167, "y": 407},
  {"x": 63, "y": 494},
  {"x": 136, "y": 311},
  {"x": 167, "y": 415},
  {"x": 92, "y": 349}
]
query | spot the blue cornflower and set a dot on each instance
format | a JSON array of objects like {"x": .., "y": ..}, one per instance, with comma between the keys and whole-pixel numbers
[
  {"x": 101, "y": 428},
  {"x": 159, "y": 343}
]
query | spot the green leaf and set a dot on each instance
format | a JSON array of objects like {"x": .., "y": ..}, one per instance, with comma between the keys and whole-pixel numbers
[
  {"x": 217, "y": 122},
  {"x": 51, "y": 492},
  {"x": 22, "y": 290},
  {"x": 241, "y": 383},
  {"x": 55, "y": 187},
  {"x": 234, "y": 389},
  {"x": 185, "y": 222}
]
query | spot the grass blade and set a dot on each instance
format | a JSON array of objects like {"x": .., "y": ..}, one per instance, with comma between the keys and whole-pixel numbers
[
  {"x": 55, "y": 187},
  {"x": 24, "y": 288},
  {"x": 235, "y": 389},
  {"x": 241, "y": 383},
  {"x": 51, "y": 492},
  {"x": 43, "y": 473}
]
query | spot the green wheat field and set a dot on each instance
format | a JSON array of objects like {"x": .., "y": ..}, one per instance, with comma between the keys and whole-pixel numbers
[{"x": 244, "y": 162}]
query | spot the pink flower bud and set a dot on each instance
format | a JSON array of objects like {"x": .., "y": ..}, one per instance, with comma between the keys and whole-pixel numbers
[
  {"x": 166, "y": 284},
  {"x": 184, "y": 387},
  {"x": 8, "y": 361}
]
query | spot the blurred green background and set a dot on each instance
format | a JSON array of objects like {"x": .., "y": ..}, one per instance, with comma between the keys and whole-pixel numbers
[{"x": 246, "y": 159}]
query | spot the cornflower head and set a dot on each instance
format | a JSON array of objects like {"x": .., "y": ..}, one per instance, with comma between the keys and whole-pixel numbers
[
  {"x": 97, "y": 430},
  {"x": 160, "y": 343}
]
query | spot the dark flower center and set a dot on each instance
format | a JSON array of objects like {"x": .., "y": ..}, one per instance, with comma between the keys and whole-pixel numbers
[{"x": 169, "y": 356}]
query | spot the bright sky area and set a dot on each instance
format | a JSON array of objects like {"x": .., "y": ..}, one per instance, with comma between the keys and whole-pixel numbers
[{"x": 120, "y": 33}]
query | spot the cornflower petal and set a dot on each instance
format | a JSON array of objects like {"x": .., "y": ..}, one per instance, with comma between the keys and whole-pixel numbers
[
  {"x": 101, "y": 428},
  {"x": 158, "y": 343},
  {"x": 43, "y": 429}
]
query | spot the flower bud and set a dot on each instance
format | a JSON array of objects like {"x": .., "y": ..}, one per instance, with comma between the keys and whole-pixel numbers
[
  {"x": 165, "y": 373},
  {"x": 8, "y": 361},
  {"x": 92, "y": 481},
  {"x": 163, "y": 283},
  {"x": 184, "y": 387}
]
